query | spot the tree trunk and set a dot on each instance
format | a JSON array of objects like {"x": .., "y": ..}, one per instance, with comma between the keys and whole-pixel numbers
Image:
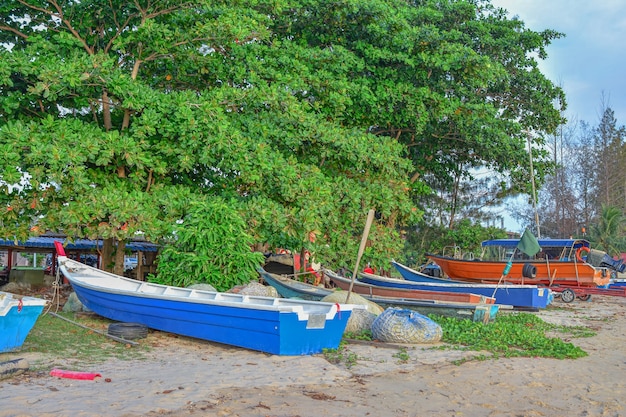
[
  {"x": 107, "y": 255},
  {"x": 118, "y": 268}
]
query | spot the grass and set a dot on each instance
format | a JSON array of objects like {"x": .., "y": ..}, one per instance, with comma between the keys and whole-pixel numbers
[
  {"x": 341, "y": 355},
  {"x": 64, "y": 343},
  {"x": 511, "y": 335}
]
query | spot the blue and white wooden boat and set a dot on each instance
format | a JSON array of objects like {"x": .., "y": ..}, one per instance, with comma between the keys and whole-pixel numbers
[
  {"x": 417, "y": 276},
  {"x": 289, "y": 288},
  {"x": 18, "y": 315},
  {"x": 519, "y": 296},
  {"x": 618, "y": 283},
  {"x": 274, "y": 325}
]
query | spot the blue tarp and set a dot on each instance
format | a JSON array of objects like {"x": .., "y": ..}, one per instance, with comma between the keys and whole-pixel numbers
[
  {"x": 544, "y": 243},
  {"x": 45, "y": 242}
]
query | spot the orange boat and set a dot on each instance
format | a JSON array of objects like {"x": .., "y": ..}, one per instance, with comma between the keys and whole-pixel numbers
[{"x": 560, "y": 262}]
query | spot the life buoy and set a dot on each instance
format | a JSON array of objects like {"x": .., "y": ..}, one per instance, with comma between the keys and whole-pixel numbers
[{"x": 579, "y": 257}]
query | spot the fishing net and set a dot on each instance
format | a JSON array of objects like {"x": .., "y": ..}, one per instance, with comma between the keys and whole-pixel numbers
[
  {"x": 360, "y": 320},
  {"x": 396, "y": 325}
]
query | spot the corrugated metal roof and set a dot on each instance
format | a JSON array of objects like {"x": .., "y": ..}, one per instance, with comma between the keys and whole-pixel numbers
[
  {"x": 548, "y": 243},
  {"x": 45, "y": 242}
]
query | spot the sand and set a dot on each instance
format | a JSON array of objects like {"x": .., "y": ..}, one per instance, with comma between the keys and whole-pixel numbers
[{"x": 187, "y": 377}]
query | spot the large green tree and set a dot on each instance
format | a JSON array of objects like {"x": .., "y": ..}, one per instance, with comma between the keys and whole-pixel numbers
[
  {"x": 457, "y": 82},
  {"x": 115, "y": 115},
  {"x": 305, "y": 114}
]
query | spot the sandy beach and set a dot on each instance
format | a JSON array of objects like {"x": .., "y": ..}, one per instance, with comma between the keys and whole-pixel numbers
[{"x": 188, "y": 377}]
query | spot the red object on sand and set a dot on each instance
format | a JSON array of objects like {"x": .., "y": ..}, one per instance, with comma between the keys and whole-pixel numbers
[{"x": 74, "y": 374}]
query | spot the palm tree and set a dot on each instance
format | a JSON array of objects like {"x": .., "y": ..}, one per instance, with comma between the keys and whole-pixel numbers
[{"x": 609, "y": 234}]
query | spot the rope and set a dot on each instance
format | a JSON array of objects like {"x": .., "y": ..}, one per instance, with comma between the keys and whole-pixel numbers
[
  {"x": 118, "y": 339},
  {"x": 56, "y": 293}
]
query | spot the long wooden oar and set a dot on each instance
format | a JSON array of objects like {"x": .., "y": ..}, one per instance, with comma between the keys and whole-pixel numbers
[{"x": 366, "y": 231}]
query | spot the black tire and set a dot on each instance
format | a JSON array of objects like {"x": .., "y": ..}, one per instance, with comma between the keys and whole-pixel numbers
[
  {"x": 529, "y": 271},
  {"x": 568, "y": 295},
  {"x": 128, "y": 331},
  {"x": 585, "y": 297}
]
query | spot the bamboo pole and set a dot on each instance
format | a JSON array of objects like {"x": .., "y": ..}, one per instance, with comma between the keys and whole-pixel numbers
[{"x": 366, "y": 231}]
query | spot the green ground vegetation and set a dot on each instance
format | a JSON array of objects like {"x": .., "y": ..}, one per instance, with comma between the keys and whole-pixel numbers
[
  {"x": 512, "y": 335},
  {"x": 515, "y": 334},
  {"x": 62, "y": 343}
]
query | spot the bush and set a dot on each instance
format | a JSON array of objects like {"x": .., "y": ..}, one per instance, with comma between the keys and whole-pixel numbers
[{"x": 211, "y": 246}]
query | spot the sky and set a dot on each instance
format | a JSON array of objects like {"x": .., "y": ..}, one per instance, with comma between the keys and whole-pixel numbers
[{"x": 589, "y": 62}]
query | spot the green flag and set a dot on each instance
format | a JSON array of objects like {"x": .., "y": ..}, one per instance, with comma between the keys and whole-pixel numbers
[{"x": 528, "y": 244}]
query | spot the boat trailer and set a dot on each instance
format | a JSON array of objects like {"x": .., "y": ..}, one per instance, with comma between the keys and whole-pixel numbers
[{"x": 569, "y": 294}]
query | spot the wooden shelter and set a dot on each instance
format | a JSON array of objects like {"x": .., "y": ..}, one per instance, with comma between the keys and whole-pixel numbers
[{"x": 85, "y": 250}]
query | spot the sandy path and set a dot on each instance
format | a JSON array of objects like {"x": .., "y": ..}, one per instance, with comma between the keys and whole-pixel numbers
[{"x": 189, "y": 377}]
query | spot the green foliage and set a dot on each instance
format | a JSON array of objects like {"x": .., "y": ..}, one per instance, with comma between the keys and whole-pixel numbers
[
  {"x": 609, "y": 231},
  {"x": 456, "y": 82},
  {"x": 53, "y": 337},
  {"x": 189, "y": 112},
  {"x": 341, "y": 355},
  {"x": 210, "y": 246},
  {"x": 511, "y": 335},
  {"x": 464, "y": 236},
  {"x": 363, "y": 335},
  {"x": 308, "y": 114},
  {"x": 402, "y": 355}
]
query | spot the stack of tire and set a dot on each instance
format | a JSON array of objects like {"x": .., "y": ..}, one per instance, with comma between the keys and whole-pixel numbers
[{"x": 128, "y": 331}]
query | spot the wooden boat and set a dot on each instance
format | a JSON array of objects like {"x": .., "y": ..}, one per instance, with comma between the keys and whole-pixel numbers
[
  {"x": 618, "y": 283},
  {"x": 474, "y": 311},
  {"x": 363, "y": 288},
  {"x": 561, "y": 262},
  {"x": 274, "y": 325},
  {"x": 18, "y": 315},
  {"x": 290, "y": 288},
  {"x": 529, "y": 297},
  {"x": 417, "y": 276}
]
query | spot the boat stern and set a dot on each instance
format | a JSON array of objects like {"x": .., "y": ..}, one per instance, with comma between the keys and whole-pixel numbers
[
  {"x": 17, "y": 318},
  {"x": 601, "y": 277}
]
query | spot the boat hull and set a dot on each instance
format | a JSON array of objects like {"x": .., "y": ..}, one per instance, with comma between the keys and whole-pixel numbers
[
  {"x": 561, "y": 273},
  {"x": 481, "y": 313},
  {"x": 458, "y": 305},
  {"x": 363, "y": 288},
  {"x": 519, "y": 296},
  {"x": 272, "y": 325},
  {"x": 290, "y": 288},
  {"x": 17, "y": 318},
  {"x": 477, "y": 312}
]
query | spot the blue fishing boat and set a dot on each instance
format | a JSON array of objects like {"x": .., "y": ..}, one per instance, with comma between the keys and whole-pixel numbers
[
  {"x": 530, "y": 297},
  {"x": 618, "y": 283},
  {"x": 290, "y": 288},
  {"x": 480, "y": 312},
  {"x": 417, "y": 276},
  {"x": 274, "y": 325},
  {"x": 18, "y": 315}
]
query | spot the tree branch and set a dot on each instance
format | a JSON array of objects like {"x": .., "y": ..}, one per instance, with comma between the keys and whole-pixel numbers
[
  {"x": 59, "y": 14},
  {"x": 13, "y": 30}
]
